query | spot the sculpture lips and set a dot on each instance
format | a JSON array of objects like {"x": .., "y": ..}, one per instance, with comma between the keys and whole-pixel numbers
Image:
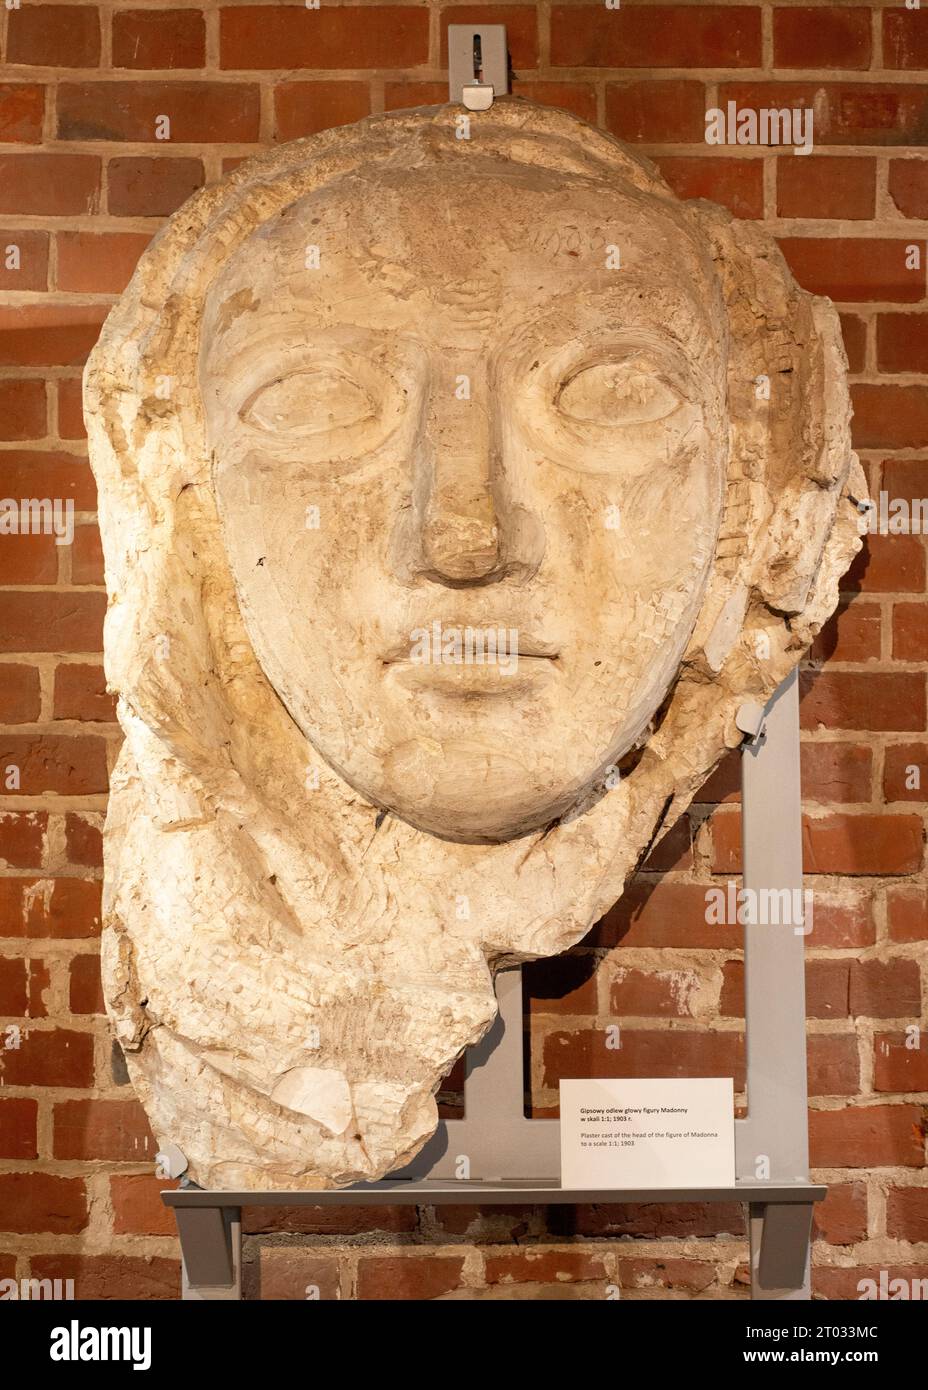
[{"x": 524, "y": 647}]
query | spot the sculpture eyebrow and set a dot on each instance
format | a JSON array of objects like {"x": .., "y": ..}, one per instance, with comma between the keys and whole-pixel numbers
[{"x": 281, "y": 340}]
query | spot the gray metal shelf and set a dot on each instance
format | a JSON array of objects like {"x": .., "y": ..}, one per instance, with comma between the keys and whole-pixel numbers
[{"x": 549, "y": 1192}]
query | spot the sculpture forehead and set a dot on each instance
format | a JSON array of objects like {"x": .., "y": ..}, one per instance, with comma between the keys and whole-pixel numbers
[{"x": 456, "y": 251}]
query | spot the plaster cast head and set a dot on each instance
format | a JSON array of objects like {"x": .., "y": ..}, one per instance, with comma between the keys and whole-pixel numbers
[{"x": 375, "y": 399}]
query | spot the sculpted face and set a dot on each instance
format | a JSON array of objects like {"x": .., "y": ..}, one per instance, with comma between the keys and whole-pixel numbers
[
  {"x": 464, "y": 491},
  {"x": 470, "y": 485}
]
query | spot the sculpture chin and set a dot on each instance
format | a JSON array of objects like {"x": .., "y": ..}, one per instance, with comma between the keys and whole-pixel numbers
[{"x": 469, "y": 791}]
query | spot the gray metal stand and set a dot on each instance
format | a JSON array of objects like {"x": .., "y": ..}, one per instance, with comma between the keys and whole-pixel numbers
[{"x": 464, "y": 1161}]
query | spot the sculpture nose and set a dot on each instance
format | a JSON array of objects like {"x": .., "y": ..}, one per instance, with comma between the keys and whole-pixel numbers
[{"x": 460, "y": 540}]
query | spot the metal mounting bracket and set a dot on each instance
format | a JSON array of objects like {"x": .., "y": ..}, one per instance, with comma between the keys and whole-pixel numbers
[
  {"x": 478, "y": 64},
  {"x": 751, "y": 720}
]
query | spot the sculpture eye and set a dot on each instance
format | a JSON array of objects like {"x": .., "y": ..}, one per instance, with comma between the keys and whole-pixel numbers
[
  {"x": 308, "y": 403},
  {"x": 616, "y": 393}
]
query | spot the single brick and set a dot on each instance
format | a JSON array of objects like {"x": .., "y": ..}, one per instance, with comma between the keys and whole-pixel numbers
[
  {"x": 846, "y": 113},
  {"x": 87, "y": 556},
  {"x": 105, "y": 1277},
  {"x": 907, "y": 478},
  {"x": 738, "y": 184},
  {"x": 566, "y": 985},
  {"x": 654, "y": 994},
  {"x": 889, "y": 417},
  {"x": 330, "y": 1221},
  {"x": 905, "y": 772},
  {"x": 30, "y": 559},
  {"x": 660, "y": 1220},
  {"x": 23, "y": 409},
  {"x": 80, "y": 693},
  {"x": 905, "y": 39},
  {"x": 54, "y": 36},
  {"x": 900, "y": 1062},
  {"x": 656, "y": 36},
  {"x": 413, "y": 1276},
  {"x": 36, "y": 473},
  {"x": 117, "y": 1130},
  {"x": 292, "y": 1274},
  {"x": 199, "y": 112},
  {"x": 401, "y": 95},
  {"x": 50, "y": 185},
  {"x": 855, "y": 269},
  {"x": 23, "y": 266},
  {"x": 303, "y": 108},
  {"x": 531, "y": 1266},
  {"x": 86, "y": 990},
  {"x": 852, "y": 633},
  {"x": 51, "y": 622},
  {"x": 22, "y": 111},
  {"x": 49, "y": 1057},
  {"x": 138, "y": 186},
  {"x": 908, "y": 186},
  {"x": 674, "y": 851},
  {"x": 820, "y": 186},
  {"x": 887, "y": 564},
  {"x": 821, "y": 38},
  {"x": 51, "y": 907},
  {"x": 910, "y": 631},
  {"x": 868, "y": 1136},
  {"x": 159, "y": 39},
  {"x": 331, "y": 37},
  {"x": 84, "y": 840},
  {"x": 907, "y": 1214},
  {"x": 137, "y": 1205},
  {"x": 68, "y": 765},
  {"x": 843, "y": 924},
  {"x": 836, "y": 771},
  {"x": 892, "y": 701},
  {"x": 22, "y": 838},
  {"x": 724, "y": 784},
  {"x": 649, "y": 1273},
  {"x": 647, "y": 112},
  {"x": 885, "y": 989},
  {"x": 22, "y": 985},
  {"x": 660, "y": 914},
  {"x": 98, "y": 262},
  {"x": 18, "y": 1133},
  {"x": 902, "y": 342},
  {"x": 863, "y": 844},
  {"x": 907, "y": 913},
  {"x": 40, "y": 1202},
  {"x": 45, "y": 335},
  {"x": 850, "y": 1282},
  {"x": 841, "y": 1219}
]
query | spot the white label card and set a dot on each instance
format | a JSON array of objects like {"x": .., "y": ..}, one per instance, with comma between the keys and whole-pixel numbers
[{"x": 638, "y": 1133}]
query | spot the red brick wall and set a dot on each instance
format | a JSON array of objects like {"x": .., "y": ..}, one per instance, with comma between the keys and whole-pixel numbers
[{"x": 83, "y": 186}]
